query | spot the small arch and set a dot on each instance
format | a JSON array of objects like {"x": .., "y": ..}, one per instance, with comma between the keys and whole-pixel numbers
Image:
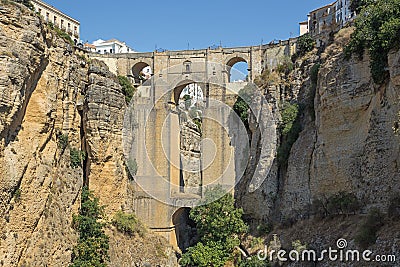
[
  {"x": 185, "y": 229},
  {"x": 141, "y": 72},
  {"x": 238, "y": 69}
]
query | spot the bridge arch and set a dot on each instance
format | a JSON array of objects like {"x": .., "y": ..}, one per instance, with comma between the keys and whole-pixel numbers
[
  {"x": 185, "y": 228},
  {"x": 138, "y": 69},
  {"x": 232, "y": 61}
]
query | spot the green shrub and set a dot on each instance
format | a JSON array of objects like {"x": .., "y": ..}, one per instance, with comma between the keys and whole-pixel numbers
[
  {"x": 62, "y": 141},
  {"x": 342, "y": 203},
  {"x": 290, "y": 129},
  {"x": 76, "y": 157},
  {"x": 17, "y": 195},
  {"x": 285, "y": 65},
  {"x": 60, "y": 33},
  {"x": 93, "y": 243},
  {"x": 313, "y": 89},
  {"x": 377, "y": 28},
  {"x": 127, "y": 88},
  {"x": 305, "y": 43},
  {"x": 128, "y": 223},
  {"x": 241, "y": 106},
  {"x": 219, "y": 225},
  {"x": 132, "y": 168},
  {"x": 264, "y": 229},
  {"x": 26, "y": 3},
  {"x": 366, "y": 235}
]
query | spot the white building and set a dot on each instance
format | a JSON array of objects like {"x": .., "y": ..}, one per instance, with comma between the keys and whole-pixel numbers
[
  {"x": 58, "y": 18},
  {"x": 343, "y": 12},
  {"x": 112, "y": 46},
  {"x": 304, "y": 27}
]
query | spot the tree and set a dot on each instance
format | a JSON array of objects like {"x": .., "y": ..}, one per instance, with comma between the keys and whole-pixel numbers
[
  {"x": 305, "y": 44},
  {"x": 377, "y": 28},
  {"x": 219, "y": 225},
  {"x": 241, "y": 106},
  {"x": 357, "y": 5},
  {"x": 127, "y": 89},
  {"x": 92, "y": 247}
]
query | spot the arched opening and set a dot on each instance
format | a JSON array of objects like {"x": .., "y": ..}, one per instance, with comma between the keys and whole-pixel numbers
[
  {"x": 141, "y": 72},
  {"x": 188, "y": 97},
  {"x": 185, "y": 229},
  {"x": 238, "y": 70}
]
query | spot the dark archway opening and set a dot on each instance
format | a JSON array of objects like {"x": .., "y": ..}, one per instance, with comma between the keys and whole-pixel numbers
[{"x": 185, "y": 229}]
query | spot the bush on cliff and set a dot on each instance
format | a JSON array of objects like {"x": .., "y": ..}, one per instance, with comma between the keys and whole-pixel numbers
[
  {"x": 366, "y": 235},
  {"x": 290, "y": 129},
  {"x": 128, "y": 223},
  {"x": 92, "y": 247},
  {"x": 127, "y": 89},
  {"x": 377, "y": 29},
  {"x": 26, "y": 3}
]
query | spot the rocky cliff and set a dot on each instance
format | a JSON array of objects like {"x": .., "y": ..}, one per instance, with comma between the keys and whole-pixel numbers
[
  {"x": 348, "y": 145},
  {"x": 54, "y": 102}
]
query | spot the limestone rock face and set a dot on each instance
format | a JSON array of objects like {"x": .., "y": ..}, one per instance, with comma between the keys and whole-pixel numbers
[
  {"x": 52, "y": 100},
  {"x": 356, "y": 149},
  {"x": 39, "y": 191}
]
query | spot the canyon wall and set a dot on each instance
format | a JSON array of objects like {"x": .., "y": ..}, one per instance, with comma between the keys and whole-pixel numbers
[{"x": 54, "y": 100}]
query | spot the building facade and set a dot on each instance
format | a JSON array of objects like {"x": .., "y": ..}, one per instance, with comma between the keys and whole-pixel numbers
[
  {"x": 59, "y": 19},
  {"x": 343, "y": 12},
  {"x": 304, "y": 27},
  {"x": 112, "y": 46}
]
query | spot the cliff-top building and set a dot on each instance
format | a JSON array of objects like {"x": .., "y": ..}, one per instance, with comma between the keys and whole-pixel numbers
[
  {"x": 112, "y": 46},
  {"x": 58, "y": 18}
]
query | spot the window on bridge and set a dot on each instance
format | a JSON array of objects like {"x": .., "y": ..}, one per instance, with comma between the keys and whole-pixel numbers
[{"x": 238, "y": 70}]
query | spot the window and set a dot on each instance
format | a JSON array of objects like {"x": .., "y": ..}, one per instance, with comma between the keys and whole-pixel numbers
[
  {"x": 69, "y": 25},
  {"x": 62, "y": 23},
  {"x": 47, "y": 16},
  {"x": 105, "y": 51},
  {"x": 40, "y": 11},
  {"x": 111, "y": 50},
  {"x": 55, "y": 19},
  {"x": 187, "y": 66}
]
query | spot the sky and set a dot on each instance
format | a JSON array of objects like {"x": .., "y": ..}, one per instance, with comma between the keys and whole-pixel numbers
[{"x": 193, "y": 24}]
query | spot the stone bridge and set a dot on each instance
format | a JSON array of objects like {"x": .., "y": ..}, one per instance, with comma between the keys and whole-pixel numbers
[{"x": 173, "y": 158}]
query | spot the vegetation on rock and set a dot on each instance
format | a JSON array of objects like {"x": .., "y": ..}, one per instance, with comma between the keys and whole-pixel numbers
[
  {"x": 366, "y": 235},
  {"x": 377, "y": 28},
  {"x": 290, "y": 128},
  {"x": 62, "y": 141},
  {"x": 127, "y": 88},
  {"x": 93, "y": 243},
  {"x": 219, "y": 225},
  {"x": 128, "y": 223},
  {"x": 26, "y": 3},
  {"x": 241, "y": 106},
  {"x": 76, "y": 157},
  {"x": 61, "y": 33},
  {"x": 305, "y": 43}
]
